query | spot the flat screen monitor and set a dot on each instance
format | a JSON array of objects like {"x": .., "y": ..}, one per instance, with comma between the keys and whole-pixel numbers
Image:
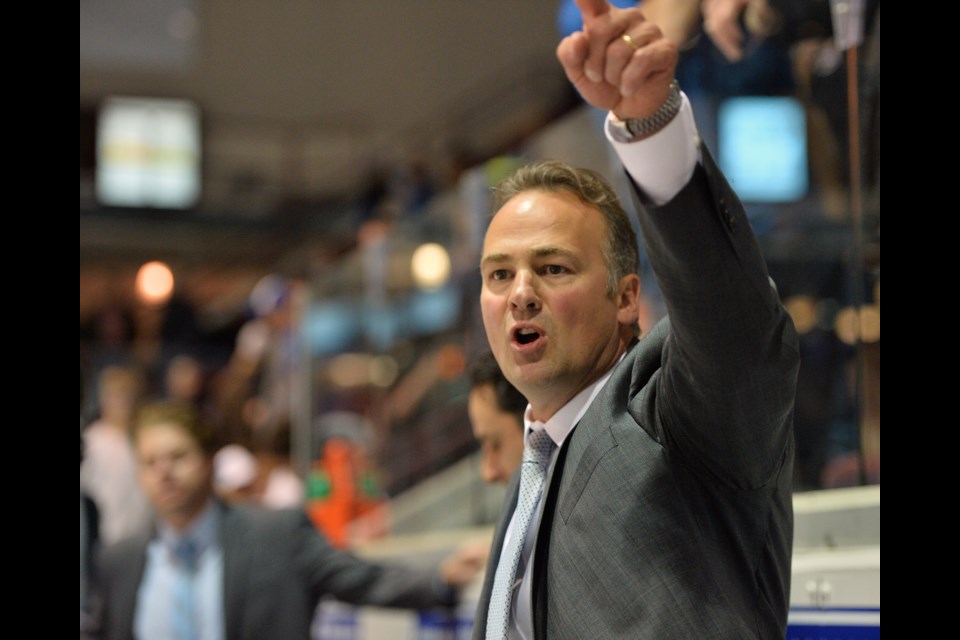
[
  {"x": 148, "y": 153},
  {"x": 762, "y": 145}
]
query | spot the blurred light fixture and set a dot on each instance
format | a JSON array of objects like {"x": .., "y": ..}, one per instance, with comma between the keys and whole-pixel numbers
[
  {"x": 870, "y": 323},
  {"x": 803, "y": 310},
  {"x": 154, "y": 284},
  {"x": 384, "y": 371},
  {"x": 864, "y": 325},
  {"x": 430, "y": 266},
  {"x": 350, "y": 370}
]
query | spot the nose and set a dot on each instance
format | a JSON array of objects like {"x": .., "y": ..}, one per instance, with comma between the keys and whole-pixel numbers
[
  {"x": 161, "y": 467},
  {"x": 524, "y": 295}
]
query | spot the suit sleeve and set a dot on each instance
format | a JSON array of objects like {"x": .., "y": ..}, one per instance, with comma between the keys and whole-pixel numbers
[
  {"x": 726, "y": 389},
  {"x": 355, "y": 580}
]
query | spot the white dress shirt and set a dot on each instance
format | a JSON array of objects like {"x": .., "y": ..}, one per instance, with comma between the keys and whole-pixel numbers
[
  {"x": 155, "y": 599},
  {"x": 662, "y": 164}
]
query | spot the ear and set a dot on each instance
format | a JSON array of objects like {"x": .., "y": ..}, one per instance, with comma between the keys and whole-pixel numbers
[{"x": 628, "y": 299}]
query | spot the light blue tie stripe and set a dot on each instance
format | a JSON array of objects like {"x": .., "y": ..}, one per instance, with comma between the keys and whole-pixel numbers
[{"x": 184, "y": 600}]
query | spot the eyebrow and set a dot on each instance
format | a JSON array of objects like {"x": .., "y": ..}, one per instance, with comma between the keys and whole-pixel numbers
[{"x": 539, "y": 252}]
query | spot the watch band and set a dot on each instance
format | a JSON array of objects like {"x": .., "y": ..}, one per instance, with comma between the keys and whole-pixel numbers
[{"x": 644, "y": 127}]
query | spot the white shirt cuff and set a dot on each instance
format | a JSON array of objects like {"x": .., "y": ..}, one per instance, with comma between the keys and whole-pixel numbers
[{"x": 662, "y": 164}]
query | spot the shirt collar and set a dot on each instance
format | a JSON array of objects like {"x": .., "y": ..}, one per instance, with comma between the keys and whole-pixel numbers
[
  {"x": 203, "y": 530},
  {"x": 562, "y": 422}
]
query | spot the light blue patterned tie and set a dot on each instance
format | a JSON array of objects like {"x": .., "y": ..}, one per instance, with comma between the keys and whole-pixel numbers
[
  {"x": 184, "y": 601},
  {"x": 536, "y": 455}
]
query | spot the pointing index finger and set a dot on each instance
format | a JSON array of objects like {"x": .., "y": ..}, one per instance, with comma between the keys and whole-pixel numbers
[{"x": 590, "y": 9}]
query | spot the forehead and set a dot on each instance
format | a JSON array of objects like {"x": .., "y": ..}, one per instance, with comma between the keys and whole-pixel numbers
[
  {"x": 543, "y": 223},
  {"x": 162, "y": 436}
]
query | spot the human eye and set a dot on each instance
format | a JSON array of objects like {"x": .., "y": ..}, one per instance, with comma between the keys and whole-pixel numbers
[
  {"x": 554, "y": 269},
  {"x": 499, "y": 274}
]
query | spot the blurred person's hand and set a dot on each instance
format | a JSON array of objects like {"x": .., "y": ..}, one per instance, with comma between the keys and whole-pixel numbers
[
  {"x": 679, "y": 20},
  {"x": 464, "y": 564},
  {"x": 620, "y": 61},
  {"x": 722, "y": 23}
]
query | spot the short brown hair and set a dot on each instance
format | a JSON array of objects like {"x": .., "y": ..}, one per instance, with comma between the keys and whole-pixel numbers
[
  {"x": 182, "y": 414},
  {"x": 484, "y": 370}
]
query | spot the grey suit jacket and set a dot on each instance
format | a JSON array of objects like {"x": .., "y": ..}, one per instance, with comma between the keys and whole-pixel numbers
[
  {"x": 669, "y": 512},
  {"x": 277, "y": 566}
]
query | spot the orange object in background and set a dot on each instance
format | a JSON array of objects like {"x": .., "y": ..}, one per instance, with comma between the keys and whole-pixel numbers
[{"x": 342, "y": 493}]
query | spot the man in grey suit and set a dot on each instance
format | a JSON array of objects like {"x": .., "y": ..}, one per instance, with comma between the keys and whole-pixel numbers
[
  {"x": 246, "y": 573},
  {"x": 666, "y": 512}
]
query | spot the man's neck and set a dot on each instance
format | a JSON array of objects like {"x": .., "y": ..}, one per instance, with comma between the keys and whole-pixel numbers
[{"x": 180, "y": 521}]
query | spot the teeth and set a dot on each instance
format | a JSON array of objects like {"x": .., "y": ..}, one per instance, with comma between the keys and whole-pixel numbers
[{"x": 527, "y": 332}]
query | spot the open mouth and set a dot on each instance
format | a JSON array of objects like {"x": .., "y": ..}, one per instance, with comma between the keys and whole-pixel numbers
[{"x": 526, "y": 335}]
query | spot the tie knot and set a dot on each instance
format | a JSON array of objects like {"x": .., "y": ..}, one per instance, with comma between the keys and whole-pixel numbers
[
  {"x": 186, "y": 553},
  {"x": 538, "y": 447}
]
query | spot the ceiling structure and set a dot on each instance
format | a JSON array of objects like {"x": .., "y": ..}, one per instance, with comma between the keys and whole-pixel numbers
[{"x": 304, "y": 102}]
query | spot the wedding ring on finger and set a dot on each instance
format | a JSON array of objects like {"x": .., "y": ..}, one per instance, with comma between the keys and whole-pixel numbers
[{"x": 630, "y": 41}]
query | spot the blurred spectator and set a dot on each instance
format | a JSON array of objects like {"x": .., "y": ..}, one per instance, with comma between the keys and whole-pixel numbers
[
  {"x": 239, "y": 571},
  {"x": 89, "y": 544},
  {"x": 107, "y": 339},
  {"x": 343, "y": 497},
  {"x": 262, "y": 366},
  {"x": 261, "y": 476},
  {"x": 278, "y": 483},
  {"x": 342, "y": 489},
  {"x": 108, "y": 470},
  {"x": 496, "y": 412},
  {"x": 235, "y": 474},
  {"x": 184, "y": 379},
  {"x": 825, "y": 415}
]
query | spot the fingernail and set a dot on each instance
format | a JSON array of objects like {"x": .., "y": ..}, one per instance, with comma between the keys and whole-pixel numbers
[{"x": 593, "y": 76}]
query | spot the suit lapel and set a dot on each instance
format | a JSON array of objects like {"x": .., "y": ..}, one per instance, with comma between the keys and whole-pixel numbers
[
  {"x": 592, "y": 438},
  {"x": 128, "y": 584},
  {"x": 236, "y": 560}
]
